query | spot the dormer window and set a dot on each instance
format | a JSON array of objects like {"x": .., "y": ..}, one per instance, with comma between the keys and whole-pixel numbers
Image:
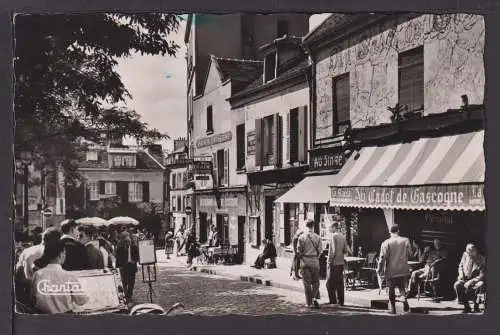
[
  {"x": 123, "y": 161},
  {"x": 270, "y": 68},
  {"x": 92, "y": 156}
]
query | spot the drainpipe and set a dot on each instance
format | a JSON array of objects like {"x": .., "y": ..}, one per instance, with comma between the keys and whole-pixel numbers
[{"x": 311, "y": 81}]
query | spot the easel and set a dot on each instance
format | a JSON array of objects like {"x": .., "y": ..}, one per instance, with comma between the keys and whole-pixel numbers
[
  {"x": 149, "y": 277},
  {"x": 147, "y": 259}
]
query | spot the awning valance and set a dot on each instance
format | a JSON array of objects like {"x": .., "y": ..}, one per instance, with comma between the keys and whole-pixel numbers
[
  {"x": 311, "y": 189},
  {"x": 431, "y": 173}
]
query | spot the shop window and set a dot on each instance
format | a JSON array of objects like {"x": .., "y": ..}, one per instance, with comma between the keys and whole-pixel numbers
[
  {"x": 240, "y": 146},
  {"x": 282, "y": 28},
  {"x": 411, "y": 79},
  {"x": 210, "y": 120},
  {"x": 270, "y": 67},
  {"x": 341, "y": 103}
]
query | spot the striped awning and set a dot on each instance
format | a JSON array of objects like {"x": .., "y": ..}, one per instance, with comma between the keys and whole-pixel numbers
[
  {"x": 430, "y": 173},
  {"x": 311, "y": 189}
]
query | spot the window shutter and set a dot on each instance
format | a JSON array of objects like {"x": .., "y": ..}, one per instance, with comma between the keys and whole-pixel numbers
[
  {"x": 145, "y": 191},
  {"x": 286, "y": 129},
  {"x": 226, "y": 167},
  {"x": 258, "y": 142},
  {"x": 215, "y": 171},
  {"x": 102, "y": 187},
  {"x": 276, "y": 139},
  {"x": 302, "y": 134}
]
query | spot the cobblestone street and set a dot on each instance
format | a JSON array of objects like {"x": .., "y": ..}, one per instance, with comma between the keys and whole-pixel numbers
[{"x": 204, "y": 294}]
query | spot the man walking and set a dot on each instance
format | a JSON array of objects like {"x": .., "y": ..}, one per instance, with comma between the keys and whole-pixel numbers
[
  {"x": 393, "y": 264},
  {"x": 308, "y": 249},
  {"x": 127, "y": 256},
  {"x": 337, "y": 249}
]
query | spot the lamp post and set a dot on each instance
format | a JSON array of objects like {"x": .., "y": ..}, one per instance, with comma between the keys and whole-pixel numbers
[{"x": 26, "y": 161}]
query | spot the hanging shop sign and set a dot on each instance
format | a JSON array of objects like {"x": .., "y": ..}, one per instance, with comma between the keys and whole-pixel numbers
[
  {"x": 451, "y": 197},
  {"x": 327, "y": 161},
  {"x": 213, "y": 140},
  {"x": 251, "y": 143},
  {"x": 202, "y": 167}
]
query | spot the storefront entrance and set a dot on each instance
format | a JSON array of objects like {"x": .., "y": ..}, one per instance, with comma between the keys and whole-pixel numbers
[{"x": 269, "y": 216}]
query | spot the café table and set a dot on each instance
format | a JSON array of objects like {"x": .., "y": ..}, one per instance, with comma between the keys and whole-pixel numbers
[{"x": 354, "y": 264}]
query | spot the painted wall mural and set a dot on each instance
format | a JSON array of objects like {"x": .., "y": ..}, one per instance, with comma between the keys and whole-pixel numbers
[{"x": 453, "y": 65}]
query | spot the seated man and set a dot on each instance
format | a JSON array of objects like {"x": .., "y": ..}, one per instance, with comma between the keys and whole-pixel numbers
[
  {"x": 269, "y": 252},
  {"x": 51, "y": 278},
  {"x": 470, "y": 277},
  {"x": 431, "y": 257}
]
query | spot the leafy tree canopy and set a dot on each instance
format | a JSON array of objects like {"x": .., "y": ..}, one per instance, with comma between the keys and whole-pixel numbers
[{"x": 66, "y": 85}]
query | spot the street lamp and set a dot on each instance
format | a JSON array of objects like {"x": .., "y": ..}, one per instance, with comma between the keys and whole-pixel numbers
[{"x": 26, "y": 160}]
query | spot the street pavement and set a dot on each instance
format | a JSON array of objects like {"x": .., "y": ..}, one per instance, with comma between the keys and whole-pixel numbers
[{"x": 205, "y": 294}]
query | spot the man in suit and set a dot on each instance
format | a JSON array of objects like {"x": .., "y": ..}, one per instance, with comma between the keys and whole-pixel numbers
[
  {"x": 76, "y": 253},
  {"x": 471, "y": 273},
  {"x": 95, "y": 257},
  {"x": 127, "y": 256},
  {"x": 393, "y": 264},
  {"x": 337, "y": 249}
]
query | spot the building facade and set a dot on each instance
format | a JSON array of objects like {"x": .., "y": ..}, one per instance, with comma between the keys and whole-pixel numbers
[
  {"x": 397, "y": 127},
  {"x": 118, "y": 175},
  {"x": 273, "y": 112}
]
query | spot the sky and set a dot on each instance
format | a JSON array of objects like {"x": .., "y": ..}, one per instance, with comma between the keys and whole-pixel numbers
[{"x": 158, "y": 86}]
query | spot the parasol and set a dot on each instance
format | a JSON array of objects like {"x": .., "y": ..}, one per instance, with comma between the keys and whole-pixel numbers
[
  {"x": 92, "y": 221},
  {"x": 123, "y": 220}
]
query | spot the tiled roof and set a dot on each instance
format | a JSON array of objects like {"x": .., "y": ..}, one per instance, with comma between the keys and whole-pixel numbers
[
  {"x": 241, "y": 72},
  {"x": 286, "y": 39},
  {"x": 335, "y": 23},
  {"x": 258, "y": 84},
  {"x": 143, "y": 161}
]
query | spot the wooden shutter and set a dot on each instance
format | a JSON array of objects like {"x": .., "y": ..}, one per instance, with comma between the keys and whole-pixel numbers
[
  {"x": 226, "y": 167},
  {"x": 258, "y": 142},
  {"x": 302, "y": 154},
  {"x": 102, "y": 187},
  {"x": 276, "y": 139},
  {"x": 214, "y": 171},
  {"x": 145, "y": 191},
  {"x": 286, "y": 130}
]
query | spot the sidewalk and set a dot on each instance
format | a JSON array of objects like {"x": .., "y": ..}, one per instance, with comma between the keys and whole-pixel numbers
[{"x": 367, "y": 298}]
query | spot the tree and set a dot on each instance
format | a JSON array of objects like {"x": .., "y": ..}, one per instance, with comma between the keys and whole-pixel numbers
[{"x": 66, "y": 84}]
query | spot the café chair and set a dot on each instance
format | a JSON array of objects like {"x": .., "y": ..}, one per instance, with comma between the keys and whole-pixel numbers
[
  {"x": 430, "y": 283},
  {"x": 370, "y": 267}
]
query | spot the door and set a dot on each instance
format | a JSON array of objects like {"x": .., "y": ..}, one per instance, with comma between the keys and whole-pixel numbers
[
  {"x": 269, "y": 217},
  {"x": 241, "y": 239},
  {"x": 203, "y": 227}
]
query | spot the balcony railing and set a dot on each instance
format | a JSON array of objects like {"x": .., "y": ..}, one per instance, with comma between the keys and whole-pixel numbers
[{"x": 177, "y": 161}]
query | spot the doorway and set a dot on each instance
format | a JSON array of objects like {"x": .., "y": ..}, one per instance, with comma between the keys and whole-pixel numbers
[
  {"x": 241, "y": 239},
  {"x": 269, "y": 216}
]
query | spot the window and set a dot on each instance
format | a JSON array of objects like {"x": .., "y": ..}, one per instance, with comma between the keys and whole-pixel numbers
[
  {"x": 179, "y": 204},
  {"x": 267, "y": 149},
  {"x": 270, "y": 67},
  {"x": 220, "y": 162},
  {"x": 135, "y": 192},
  {"x": 110, "y": 188},
  {"x": 293, "y": 135},
  {"x": 210, "y": 120},
  {"x": 93, "y": 191},
  {"x": 282, "y": 28},
  {"x": 341, "y": 97},
  {"x": 123, "y": 161},
  {"x": 411, "y": 79},
  {"x": 174, "y": 203},
  {"x": 173, "y": 180},
  {"x": 240, "y": 146},
  {"x": 92, "y": 155}
]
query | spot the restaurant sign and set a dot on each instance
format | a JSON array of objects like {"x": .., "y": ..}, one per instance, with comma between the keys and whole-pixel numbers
[
  {"x": 451, "y": 197},
  {"x": 213, "y": 140},
  {"x": 327, "y": 161}
]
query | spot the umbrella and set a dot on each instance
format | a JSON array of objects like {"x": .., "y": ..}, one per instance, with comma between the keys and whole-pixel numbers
[
  {"x": 123, "y": 220},
  {"x": 93, "y": 221}
]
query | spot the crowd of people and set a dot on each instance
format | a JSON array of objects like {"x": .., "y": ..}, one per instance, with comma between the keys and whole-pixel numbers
[
  {"x": 392, "y": 266},
  {"x": 71, "y": 248}
]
